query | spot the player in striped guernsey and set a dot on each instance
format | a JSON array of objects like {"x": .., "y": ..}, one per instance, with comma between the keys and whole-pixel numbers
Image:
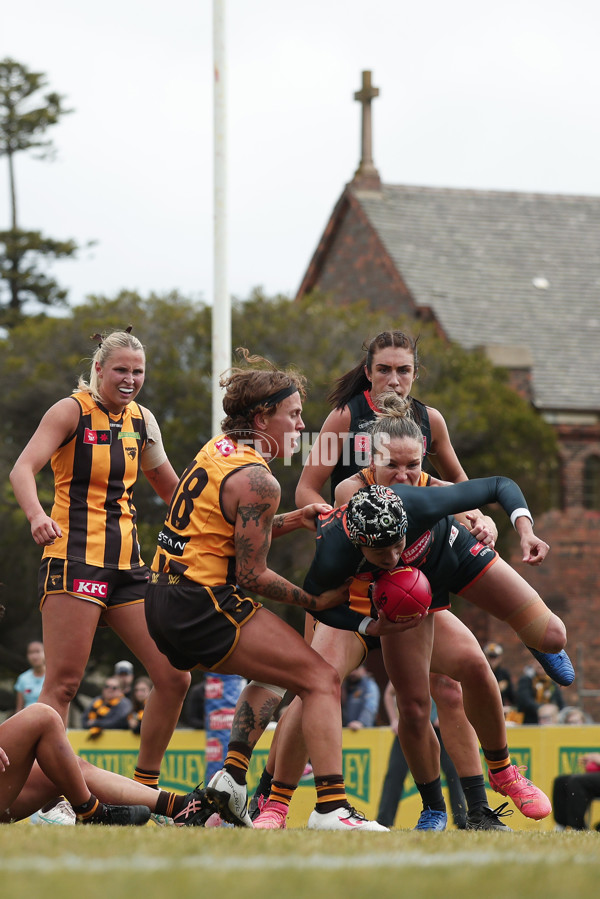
[
  {"x": 97, "y": 440},
  {"x": 213, "y": 546}
]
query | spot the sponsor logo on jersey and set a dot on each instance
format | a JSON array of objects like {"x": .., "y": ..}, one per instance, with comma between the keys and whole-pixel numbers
[
  {"x": 91, "y": 588},
  {"x": 453, "y": 534},
  {"x": 100, "y": 438},
  {"x": 171, "y": 542},
  {"x": 133, "y": 434},
  {"x": 418, "y": 548},
  {"x": 225, "y": 446}
]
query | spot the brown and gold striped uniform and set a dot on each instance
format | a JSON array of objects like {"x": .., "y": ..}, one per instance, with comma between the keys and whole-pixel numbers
[
  {"x": 197, "y": 540},
  {"x": 194, "y": 610},
  {"x": 94, "y": 474}
]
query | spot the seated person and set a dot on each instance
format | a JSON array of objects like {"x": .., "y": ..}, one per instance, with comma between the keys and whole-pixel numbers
[{"x": 109, "y": 711}]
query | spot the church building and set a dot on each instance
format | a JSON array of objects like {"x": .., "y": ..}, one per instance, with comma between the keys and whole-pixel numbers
[{"x": 517, "y": 275}]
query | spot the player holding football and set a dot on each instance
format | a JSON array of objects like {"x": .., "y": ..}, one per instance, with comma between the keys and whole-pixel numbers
[{"x": 445, "y": 551}]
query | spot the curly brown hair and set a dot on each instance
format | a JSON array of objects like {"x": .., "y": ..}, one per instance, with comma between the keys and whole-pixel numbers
[{"x": 248, "y": 391}]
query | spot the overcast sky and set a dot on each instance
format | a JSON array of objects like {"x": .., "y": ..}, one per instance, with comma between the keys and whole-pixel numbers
[{"x": 472, "y": 94}]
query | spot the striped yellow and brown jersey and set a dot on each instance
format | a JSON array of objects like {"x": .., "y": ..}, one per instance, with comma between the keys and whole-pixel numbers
[
  {"x": 359, "y": 588},
  {"x": 197, "y": 540},
  {"x": 94, "y": 473}
]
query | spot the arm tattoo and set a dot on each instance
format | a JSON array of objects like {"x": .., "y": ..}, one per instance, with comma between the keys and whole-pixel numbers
[
  {"x": 263, "y": 483},
  {"x": 252, "y": 512}
]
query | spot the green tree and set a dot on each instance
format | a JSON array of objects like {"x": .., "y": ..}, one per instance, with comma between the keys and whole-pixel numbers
[{"x": 25, "y": 254}]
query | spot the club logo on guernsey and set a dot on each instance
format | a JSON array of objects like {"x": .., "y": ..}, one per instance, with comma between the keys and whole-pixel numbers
[
  {"x": 225, "y": 446},
  {"x": 99, "y": 438},
  {"x": 362, "y": 443},
  {"x": 91, "y": 588}
]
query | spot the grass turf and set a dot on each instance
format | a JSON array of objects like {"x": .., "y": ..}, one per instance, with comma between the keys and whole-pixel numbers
[{"x": 154, "y": 863}]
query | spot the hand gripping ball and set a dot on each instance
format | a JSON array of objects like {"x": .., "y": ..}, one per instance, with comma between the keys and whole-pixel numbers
[{"x": 402, "y": 593}]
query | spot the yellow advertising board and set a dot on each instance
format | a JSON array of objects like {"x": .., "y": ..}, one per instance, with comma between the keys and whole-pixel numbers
[{"x": 544, "y": 751}]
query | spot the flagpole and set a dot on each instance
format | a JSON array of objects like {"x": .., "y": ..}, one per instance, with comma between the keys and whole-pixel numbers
[{"x": 221, "y": 311}]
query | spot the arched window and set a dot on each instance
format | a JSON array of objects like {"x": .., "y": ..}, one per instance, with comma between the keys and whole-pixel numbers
[{"x": 591, "y": 483}]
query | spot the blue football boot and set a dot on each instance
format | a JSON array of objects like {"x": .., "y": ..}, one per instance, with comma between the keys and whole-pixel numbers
[
  {"x": 432, "y": 819},
  {"x": 557, "y": 665}
]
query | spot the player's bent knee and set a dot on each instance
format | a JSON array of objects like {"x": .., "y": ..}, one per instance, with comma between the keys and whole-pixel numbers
[
  {"x": 537, "y": 626},
  {"x": 414, "y": 713},
  {"x": 323, "y": 678},
  {"x": 556, "y": 635},
  {"x": 44, "y": 718},
  {"x": 446, "y": 691}
]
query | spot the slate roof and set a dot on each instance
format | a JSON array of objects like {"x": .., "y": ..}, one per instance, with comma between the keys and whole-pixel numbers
[{"x": 504, "y": 268}]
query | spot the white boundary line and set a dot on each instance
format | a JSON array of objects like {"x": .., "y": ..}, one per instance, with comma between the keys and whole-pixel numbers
[{"x": 315, "y": 862}]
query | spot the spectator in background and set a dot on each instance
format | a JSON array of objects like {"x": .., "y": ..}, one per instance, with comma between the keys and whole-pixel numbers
[
  {"x": 139, "y": 696},
  {"x": 124, "y": 673},
  {"x": 548, "y": 713},
  {"x": 109, "y": 711},
  {"x": 494, "y": 653},
  {"x": 572, "y": 714},
  {"x": 360, "y": 699},
  {"x": 535, "y": 689},
  {"x": 29, "y": 684}
]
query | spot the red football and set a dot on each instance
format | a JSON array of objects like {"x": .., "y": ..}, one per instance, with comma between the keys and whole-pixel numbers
[{"x": 402, "y": 593}]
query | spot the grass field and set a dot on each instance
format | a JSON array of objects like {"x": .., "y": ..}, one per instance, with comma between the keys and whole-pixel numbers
[{"x": 168, "y": 863}]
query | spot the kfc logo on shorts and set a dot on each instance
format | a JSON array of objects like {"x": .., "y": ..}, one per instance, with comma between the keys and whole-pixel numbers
[
  {"x": 453, "y": 535},
  {"x": 91, "y": 588},
  {"x": 225, "y": 446}
]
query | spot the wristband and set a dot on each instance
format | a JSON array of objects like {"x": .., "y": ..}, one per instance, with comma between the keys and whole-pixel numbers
[
  {"x": 362, "y": 627},
  {"x": 519, "y": 513}
]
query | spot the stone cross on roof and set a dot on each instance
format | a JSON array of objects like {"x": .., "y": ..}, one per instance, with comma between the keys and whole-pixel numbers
[{"x": 366, "y": 175}]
